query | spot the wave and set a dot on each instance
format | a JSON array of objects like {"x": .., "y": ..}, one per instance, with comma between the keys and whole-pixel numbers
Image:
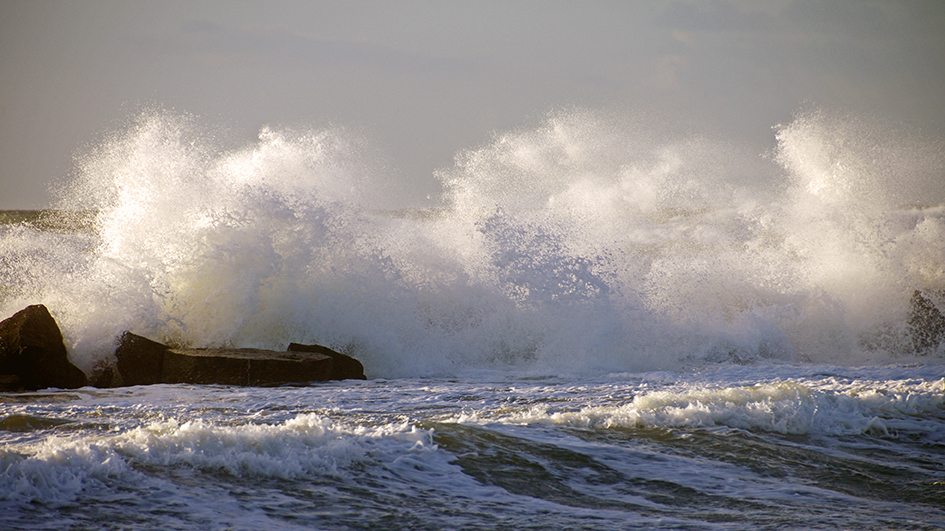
[
  {"x": 56, "y": 469},
  {"x": 823, "y": 408},
  {"x": 585, "y": 243}
]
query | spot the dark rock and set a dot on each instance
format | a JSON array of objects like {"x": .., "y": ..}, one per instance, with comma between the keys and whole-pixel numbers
[
  {"x": 105, "y": 375},
  {"x": 244, "y": 367},
  {"x": 926, "y": 323},
  {"x": 344, "y": 368},
  {"x": 139, "y": 361},
  {"x": 10, "y": 382},
  {"x": 32, "y": 354}
]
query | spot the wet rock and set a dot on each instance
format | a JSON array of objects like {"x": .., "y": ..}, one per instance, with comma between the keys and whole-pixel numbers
[
  {"x": 141, "y": 361},
  {"x": 926, "y": 323},
  {"x": 104, "y": 375},
  {"x": 344, "y": 367},
  {"x": 244, "y": 367},
  {"x": 138, "y": 361},
  {"x": 32, "y": 354}
]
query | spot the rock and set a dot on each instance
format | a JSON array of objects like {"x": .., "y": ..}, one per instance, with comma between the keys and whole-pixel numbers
[
  {"x": 32, "y": 354},
  {"x": 10, "y": 382},
  {"x": 926, "y": 323},
  {"x": 244, "y": 367},
  {"x": 105, "y": 375},
  {"x": 344, "y": 368},
  {"x": 139, "y": 361}
]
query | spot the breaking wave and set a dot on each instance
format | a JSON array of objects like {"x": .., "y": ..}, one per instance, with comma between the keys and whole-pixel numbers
[{"x": 585, "y": 243}]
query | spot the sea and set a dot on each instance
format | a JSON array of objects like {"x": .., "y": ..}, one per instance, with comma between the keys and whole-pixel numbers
[{"x": 601, "y": 323}]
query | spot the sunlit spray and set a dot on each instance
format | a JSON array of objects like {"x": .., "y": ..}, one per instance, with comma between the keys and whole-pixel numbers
[{"x": 585, "y": 243}]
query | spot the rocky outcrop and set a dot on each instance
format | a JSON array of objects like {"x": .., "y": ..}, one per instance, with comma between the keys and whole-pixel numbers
[
  {"x": 344, "y": 367},
  {"x": 33, "y": 357},
  {"x": 32, "y": 354},
  {"x": 141, "y": 361},
  {"x": 244, "y": 367}
]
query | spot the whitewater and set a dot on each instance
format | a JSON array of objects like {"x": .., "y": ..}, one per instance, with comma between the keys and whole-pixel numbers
[{"x": 601, "y": 323}]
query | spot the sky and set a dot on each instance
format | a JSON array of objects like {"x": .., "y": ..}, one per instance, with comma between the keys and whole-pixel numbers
[{"x": 424, "y": 80}]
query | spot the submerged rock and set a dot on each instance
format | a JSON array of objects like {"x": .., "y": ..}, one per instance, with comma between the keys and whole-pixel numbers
[
  {"x": 28, "y": 423},
  {"x": 32, "y": 354}
]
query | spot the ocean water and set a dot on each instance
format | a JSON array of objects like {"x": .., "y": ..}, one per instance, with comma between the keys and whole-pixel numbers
[{"x": 599, "y": 324}]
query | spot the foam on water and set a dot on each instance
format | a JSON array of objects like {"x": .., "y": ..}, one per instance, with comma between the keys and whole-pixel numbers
[
  {"x": 57, "y": 468},
  {"x": 780, "y": 446},
  {"x": 820, "y": 407},
  {"x": 585, "y": 243}
]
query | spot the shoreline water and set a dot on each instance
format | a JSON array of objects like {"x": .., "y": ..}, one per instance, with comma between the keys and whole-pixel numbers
[{"x": 723, "y": 449}]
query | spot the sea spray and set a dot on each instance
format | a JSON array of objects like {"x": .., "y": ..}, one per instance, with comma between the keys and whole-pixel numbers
[
  {"x": 809, "y": 258},
  {"x": 865, "y": 223},
  {"x": 586, "y": 243}
]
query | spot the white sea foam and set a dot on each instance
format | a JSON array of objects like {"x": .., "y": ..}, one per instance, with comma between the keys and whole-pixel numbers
[
  {"x": 57, "y": 468},
  {"x": 500, "y": 450},
  {"x": 885, "y": 408},
  {"x": 586, "y": 243}
]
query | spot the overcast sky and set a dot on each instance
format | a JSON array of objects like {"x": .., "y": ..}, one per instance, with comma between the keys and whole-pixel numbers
[{"x": 424, "y": 80}]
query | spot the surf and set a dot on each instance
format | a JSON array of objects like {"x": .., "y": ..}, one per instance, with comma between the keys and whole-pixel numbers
[{"x": 584, "y": 243}]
